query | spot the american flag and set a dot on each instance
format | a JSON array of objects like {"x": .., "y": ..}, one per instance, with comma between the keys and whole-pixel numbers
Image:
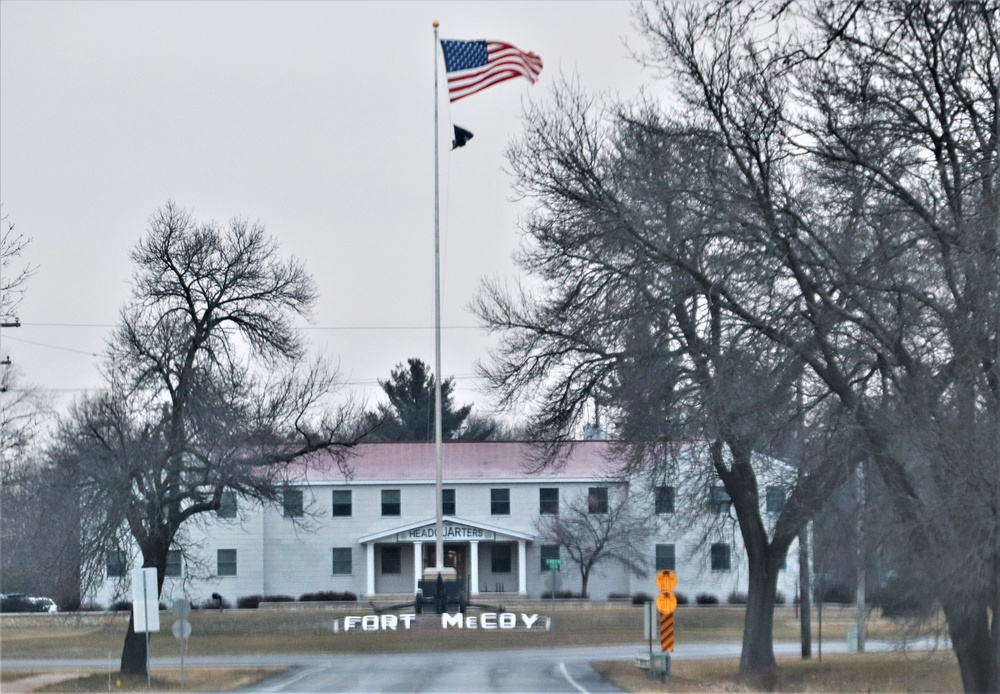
[{"x": 476, "y": 65}]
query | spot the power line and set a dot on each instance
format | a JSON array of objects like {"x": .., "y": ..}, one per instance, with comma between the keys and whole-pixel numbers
[
  {"x": 42, "y": 344},
  {"x": 303, "y": 327}
]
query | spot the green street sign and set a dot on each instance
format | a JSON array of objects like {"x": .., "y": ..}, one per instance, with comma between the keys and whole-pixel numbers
[{"x": 554, "y": 564}]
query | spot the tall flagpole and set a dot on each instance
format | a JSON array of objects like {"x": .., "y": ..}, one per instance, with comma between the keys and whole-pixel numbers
[{"x": 439, "y": 522}]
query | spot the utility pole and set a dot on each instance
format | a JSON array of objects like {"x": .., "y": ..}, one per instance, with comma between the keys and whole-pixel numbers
[
  {"x": 859, "y": 614},
  {"x": 805, "y": 603},
  {"x": 805, "y": 570}
]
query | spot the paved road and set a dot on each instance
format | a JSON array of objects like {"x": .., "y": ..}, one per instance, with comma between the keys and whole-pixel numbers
[{"x": 529, "y": 670}]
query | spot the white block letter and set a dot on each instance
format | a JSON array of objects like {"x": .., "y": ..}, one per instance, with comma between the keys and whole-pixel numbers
[{"x": 451, "y": 620}]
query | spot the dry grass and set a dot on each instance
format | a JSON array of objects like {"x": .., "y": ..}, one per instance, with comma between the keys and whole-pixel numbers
[
  {"x": 164, "y": 680},
  {"x": 869, "y": 672},
  {"x": 310, "y": 631}
]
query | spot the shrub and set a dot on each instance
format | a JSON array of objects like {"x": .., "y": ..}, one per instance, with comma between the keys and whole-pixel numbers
[
  {"x": 682, "y": 599},
  {"x": 121, "y": 606},
  {"x": 277, "y": 598},
  {"x": 706, "y": 599},
  {"x": 216, "y": 602},
  {"x": 779, "y": 598},
  {"x": 618, "y": 596},
  {"x": 737, "y": 598},
  {"x": 564, "y": 595},
  {"x": 91, "y": 607},
  {"x": 329, "y": 596},
  {"x": 248, "y": 602},
  {"x": 640, "y": 598},
  {"x": 835, "y": 591}
]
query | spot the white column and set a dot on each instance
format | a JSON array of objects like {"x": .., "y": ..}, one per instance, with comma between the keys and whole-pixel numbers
[
  {"x": 370, "y": 569},
  {"x": 522, "y": 569},
  {"x": 418, "y": 561},
  {"x": 474, "y": 567}
]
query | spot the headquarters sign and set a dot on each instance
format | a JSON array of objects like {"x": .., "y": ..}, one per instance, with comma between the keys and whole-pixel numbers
[{"x": 450, "y": 531}]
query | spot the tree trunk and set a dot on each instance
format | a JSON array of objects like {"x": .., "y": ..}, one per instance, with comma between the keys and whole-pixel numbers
[
  {"x": 757, "y": 659},
  {"x": 971, "y": 640},
  {"x": 134, "y": 651}
]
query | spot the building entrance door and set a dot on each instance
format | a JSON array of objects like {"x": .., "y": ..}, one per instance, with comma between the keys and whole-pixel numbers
[{"x": 455, "y": 556}]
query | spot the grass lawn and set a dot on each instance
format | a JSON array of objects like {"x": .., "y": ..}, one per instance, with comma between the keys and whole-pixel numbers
[
  {"x": 867, "y": 672},
  {"x": 164, "y": 680},
  {"x": 310, "y": 631}
]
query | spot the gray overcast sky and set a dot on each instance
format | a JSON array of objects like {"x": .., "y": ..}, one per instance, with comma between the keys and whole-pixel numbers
[{"x": 315, "y": 118}]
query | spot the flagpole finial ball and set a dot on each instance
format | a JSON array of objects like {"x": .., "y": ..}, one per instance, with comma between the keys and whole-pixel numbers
[{"x": 436, "y": 24}]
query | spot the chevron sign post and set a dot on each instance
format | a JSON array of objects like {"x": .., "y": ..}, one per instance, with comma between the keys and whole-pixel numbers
[{"x": 666, "y": 603}]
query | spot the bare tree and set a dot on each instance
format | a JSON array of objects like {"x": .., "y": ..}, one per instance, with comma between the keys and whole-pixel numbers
[
  {"x": 618, "y": 226},
  {"x": 13, "y": 278},
  {"x": 864, "y": 152},
  {"x": 38, "y": 546},
  {"x": 609, "y": 527},
  {"x": 20, "y": 407},
  {"x": 836, "y": 195},
  {"x": 206, "y": 392}
]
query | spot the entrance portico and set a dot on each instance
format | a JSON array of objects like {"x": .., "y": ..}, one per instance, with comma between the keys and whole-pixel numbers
[{"x": 464, "y": 542}]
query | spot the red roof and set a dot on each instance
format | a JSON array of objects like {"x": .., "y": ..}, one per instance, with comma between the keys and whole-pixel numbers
[{"x": 460, "y": 461}]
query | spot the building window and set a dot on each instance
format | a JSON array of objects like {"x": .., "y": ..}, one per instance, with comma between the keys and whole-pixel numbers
[
  {"x": 548, "y": 501},
  {"x": 597, "y": 500},
  {"x": 775, "y": 499},
  {"x": 227, "y": 505},
  {"x": 448, "y": 502},
  {"x": 173, "y": 568},
  {"x": 392, "y": 504},
  {"x": 291, "y": 503},
  {"x": 548, "y": 552},
  {"x": 665, "y": 559},
  {"x": 341, "y": 503},
  {"x": 501, "y": 559},
  {"x": 392, "y": 560},
  {"x": 342, "y": 561},
  {"x": 116, "y": 562},
  {"x": 226, "y": 562},
  {"x": 720, "y": 557},
  {"x": 664, "y": 499},
  {"x": 719, "y": 501},
  {"x": 500, "y": 502}
]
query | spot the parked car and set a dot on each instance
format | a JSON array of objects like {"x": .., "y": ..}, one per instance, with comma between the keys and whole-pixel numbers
[
  {"x": 19, "y": 602},
  {"x": 43, "y": 605}
]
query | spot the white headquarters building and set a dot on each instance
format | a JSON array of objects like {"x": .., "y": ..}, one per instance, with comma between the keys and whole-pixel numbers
[{"x": 369, "y": 528}]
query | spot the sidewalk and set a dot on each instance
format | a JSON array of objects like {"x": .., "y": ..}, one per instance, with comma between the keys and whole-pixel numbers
[{"x": 36, "y": 682}]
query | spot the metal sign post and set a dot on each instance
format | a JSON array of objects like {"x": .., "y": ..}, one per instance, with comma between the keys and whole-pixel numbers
[
  {"x": 182, "y": 627},
  {"x": 554, "y": 565}
]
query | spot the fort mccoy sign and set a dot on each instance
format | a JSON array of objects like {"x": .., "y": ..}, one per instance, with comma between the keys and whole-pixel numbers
[
  {"x": 403, "y": 622},
  {"x": 450, "y": 531}
]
